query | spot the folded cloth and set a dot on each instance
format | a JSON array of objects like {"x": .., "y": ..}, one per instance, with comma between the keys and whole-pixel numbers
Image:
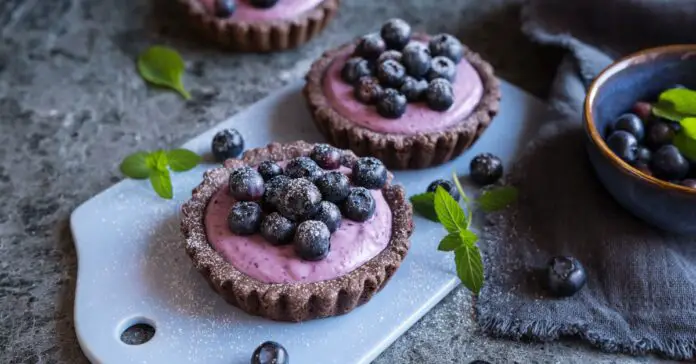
[{"x": 640, "y": 296}]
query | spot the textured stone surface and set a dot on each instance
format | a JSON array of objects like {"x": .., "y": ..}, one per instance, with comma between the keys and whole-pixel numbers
[{"x": 72, "y": 106}]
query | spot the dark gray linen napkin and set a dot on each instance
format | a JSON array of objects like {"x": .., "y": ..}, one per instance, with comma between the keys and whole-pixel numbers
[{"x": 640, "y": 296}]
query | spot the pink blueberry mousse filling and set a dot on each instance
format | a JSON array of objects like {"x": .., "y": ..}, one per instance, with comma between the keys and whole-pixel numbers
[
  {"x": 419, "y": 118},
  {"x": 352, "y": 245},
  {"x": 284, "y": 9}
]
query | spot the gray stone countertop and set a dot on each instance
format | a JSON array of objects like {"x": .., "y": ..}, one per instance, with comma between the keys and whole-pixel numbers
[{"x": 72, "y": 106}]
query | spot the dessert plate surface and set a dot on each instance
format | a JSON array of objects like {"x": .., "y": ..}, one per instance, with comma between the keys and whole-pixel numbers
[{"x": 133, "y": 268}]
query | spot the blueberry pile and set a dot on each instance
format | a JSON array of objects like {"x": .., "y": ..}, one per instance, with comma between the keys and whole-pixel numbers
[
  {"x": 303, "y": 203},
  {"x": 645, "y": 142},
  {"x": 389, "y": 70},
  {"x": 225, "y": 8}
]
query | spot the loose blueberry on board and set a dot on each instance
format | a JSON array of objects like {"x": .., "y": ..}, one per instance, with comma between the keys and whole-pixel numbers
[
  {"x": 326, "y": 156},
  {"x": 643, "y": 110},
  {"x": 225, "y": 8},
  {"x": 442, "y": 67},
  {"x": 359, "y": 205},
  {"x": 691, "y": 183},
  {"x": 391, "y": 73},
  {"x": 414, "y": 89},
  {"x": 272, "y": 189},
  {"x": 368, "y": 90},
  {"x": 630, "y": 123},
  {"x": 369, "y": 172},
  {"x": 354, "y": 69},
  {"x": 659, "y": 134},
  {"x": 446, "y": 45},
  {"x": 334, "y": 186},
  {"x": 227, "y": 144},
  {"x": 246, "y": 184},
  {"x": 263, "y": 4},
  {"x": 303, "y": 167},
  {"x": 390, "y": 54},
  {"x": 624, "y": 145},
  {"x": 270, "y": 352},
  {"x": 277, "y": 229},
  {"x": 447, "y": 185},
  {"x": 329, "y": 214},
  {"x": 392, "y": 104},
  {"x": 416, "y": 58},
  {"x": 299, "y": 199},
  {"x": 244, "y": 217},
  {"x": 485, "y": 169},
  {"x": 643, "y": 155},
  {"x": 370, "y": 46},
  {"x": 312, "y": 240},
  {"x": 269, "y": 169},
  {"x": 669, "y": 164},
  {"x": 396, "y": 33},
  {"x": 439, "y": 95},
  {"x": 565, "y": 276}
]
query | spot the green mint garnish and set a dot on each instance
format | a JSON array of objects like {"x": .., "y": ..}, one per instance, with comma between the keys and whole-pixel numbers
[
  {"x": 456, "y": 219},
  {"x": 156, "y": 165},
  {"x": 163, "y": 66},
  {"x": 685, "y": 140},
  {"x": 676, "y": 104}
]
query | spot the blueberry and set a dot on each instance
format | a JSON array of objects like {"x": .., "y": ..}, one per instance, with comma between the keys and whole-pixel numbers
[
  {"x": 643, "y": 155},
  {"x": 370, "y": 46},
  {"x": 277, "y": 229},
  {"x": 396, "y": 33},
  {"x": 227, "y": 144},
  {"x": 632, "y": 124},
  {"x": 643, "y": 167},
  {"x": 272, "y": 189},
  {"x": 392, "y": 104},
  {"x": 354, "y": 69},
  {"x": 368, "y": 90},
  {"x": 439, "y": 95},
  {"x": 303, "y": 167},
  {"x": 270, "y": 353},
  {"x": 479, "y": 362},
  {"x": 441, "y": 67},
  {"x": 691, "y": 183},
  {"x": 414, "y": 89},
  {"x": 246, "y": 184},
  {"x": 668, "y": 164},
  {"x": 416, "y": 58},
  {"x": 624, "y": 145},
  {"x": 659, "y": 134},
  {"x": 269, "y": 169},
  {"x": 390, "y": 54},
  {"x": 485, "y": 169},
  {"x": 447, "y": 185},
  {"x": 334, "y": 186},
  {"x": 565, "y": 276},
  {"x": 642, "y": 109},
  {"x": 263, "y": 4},
  {"x": 448, "y": 46},
  {"x": 329, "y": 214},
  {"x": 312, "y": 240},
  {"x": 244, "y": 217},
  {"x": 299, "y": 199},
  {"x": 369, "y": 172},
  {"x": 225, "y": 8},
  {"x": 390, "y": 73},
  {"x": 326, "y": 156},
  {"x": 359, "y": 205}
]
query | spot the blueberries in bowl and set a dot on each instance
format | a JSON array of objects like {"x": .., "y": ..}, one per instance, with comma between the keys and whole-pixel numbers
[{"x": 624, "y": 145}]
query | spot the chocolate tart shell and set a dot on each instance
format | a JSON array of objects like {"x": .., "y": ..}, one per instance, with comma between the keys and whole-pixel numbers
[
  {"x": 266, "y": 36},
  {"x": 291, "y": 301},
  {"x": 399, "y": 151}
]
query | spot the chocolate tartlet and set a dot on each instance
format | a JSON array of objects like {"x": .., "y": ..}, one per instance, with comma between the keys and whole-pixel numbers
[
  {"x": 366, "y": 131},
  {"x": 266, "y": 34},
  {"x": 291, "y": 301}
]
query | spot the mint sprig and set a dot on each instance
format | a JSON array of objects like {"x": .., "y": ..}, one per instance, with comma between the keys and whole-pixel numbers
[
  {"x": 163, "y": 66},
  {"x": 679, "y": 105},
  {"x": 156, "y": 166},
  {"x": 439, "y": 206}
]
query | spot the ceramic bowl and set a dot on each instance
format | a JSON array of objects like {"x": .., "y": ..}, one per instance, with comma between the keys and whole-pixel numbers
[{"x": 639, "y": 77}]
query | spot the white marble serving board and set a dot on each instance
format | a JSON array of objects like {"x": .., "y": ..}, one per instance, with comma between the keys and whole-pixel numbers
[{"x": 133, "y": 268}]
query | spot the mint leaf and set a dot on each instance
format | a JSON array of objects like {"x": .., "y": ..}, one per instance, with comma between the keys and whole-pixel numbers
[
  {"x": 469, "y": 267},
  {"x": 157, "y": 160},
  {"x": 163, "y": 66},
  {"x": 181, "y": 160},
  {"x": 162, "y": 183},
  {"x": 449, "y": 212},
  {"x": 468, "y": 237},
  {"x": 450, "y": 242},
  {"x": 135, "y": 166},
  {"x": 424, "y": 205},
  {"x": 685, "y": 140},
  {"x": 497, "y": 198},
  {"x": 676, "y": 104}
]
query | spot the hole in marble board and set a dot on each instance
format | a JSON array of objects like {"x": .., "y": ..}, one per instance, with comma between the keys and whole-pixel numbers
[{"x": 137, "y": 331}]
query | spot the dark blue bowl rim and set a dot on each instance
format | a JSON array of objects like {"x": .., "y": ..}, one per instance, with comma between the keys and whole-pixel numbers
[{"x": 643, "y": 56}]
